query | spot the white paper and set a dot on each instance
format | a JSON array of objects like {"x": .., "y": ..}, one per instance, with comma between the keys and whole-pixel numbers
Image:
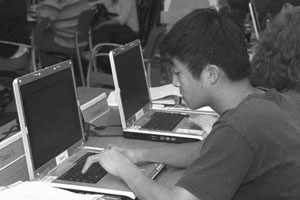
[
  {"x": 42, "y": 191},
  {"x": 164, "y": 91},
  {"x": 165, "y": 101},
  {"x": 156, "y": 93},
  {"x": 206, "y": 109},
  {"x": 112, "y": 99}
]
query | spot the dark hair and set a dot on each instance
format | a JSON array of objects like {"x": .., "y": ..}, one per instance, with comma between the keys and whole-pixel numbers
[
  {"x": 276, "y": 63},
  {"x": 206, "y": 36}
]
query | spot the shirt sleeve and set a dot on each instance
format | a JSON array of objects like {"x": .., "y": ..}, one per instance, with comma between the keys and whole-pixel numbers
[
  {"x": 49, "y": 9},
  {"x": 221, "y": 167}
]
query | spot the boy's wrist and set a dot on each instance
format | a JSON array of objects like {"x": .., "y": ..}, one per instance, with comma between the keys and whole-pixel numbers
[{"x": 139, "y": 155}]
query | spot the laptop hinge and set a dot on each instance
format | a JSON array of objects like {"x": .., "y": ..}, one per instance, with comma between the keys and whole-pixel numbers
[
  {"x": 80, "y": 147},
  {"x": 43, "y": 174},
  {"x": 130, "y": 124}
]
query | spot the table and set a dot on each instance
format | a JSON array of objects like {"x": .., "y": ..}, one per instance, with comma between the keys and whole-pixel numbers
[{"x": 18, "y": 171}]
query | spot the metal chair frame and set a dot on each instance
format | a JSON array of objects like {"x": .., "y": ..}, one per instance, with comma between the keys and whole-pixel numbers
[
  {"x": 32, "y": 52},
  {"x": 82, "y": 39},
  {"x": 95, "y": 77}
]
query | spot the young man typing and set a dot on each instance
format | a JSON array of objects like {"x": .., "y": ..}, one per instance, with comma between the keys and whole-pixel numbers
[{"x": 253, "y": 149}]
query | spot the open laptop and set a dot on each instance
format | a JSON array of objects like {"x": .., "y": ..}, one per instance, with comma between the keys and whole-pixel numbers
[
  {"x": 52, "y": 132},
  {"x": 254, "y": 17},
  {"x": 134, "y": 101}
]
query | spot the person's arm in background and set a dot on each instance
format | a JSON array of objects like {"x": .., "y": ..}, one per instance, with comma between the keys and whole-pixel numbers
[
  {"x": 48, "y": 10},
  {"x": 126, "y": 7}
]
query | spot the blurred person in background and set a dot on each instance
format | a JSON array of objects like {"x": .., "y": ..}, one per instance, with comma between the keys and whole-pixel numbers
[
  {"x": 118, "y": 24},
  {"x": 61, "y": 18},
  {"x": 122, "y": 25},
  {"x": 276, "y": 62}
]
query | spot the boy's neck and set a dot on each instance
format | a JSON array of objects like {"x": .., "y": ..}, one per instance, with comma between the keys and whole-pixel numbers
[{"x": 229, "y": 95}]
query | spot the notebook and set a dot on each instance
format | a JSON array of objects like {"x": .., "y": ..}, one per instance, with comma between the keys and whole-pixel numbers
[
  {"x": 134, "y": 101},
  {"x": 52, "y": 131},
  {"x": 254, "y": 17}
]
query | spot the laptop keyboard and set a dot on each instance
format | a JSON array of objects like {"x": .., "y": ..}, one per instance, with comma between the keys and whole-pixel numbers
[
  {"x": 164, "y": 121},
  {"x": 93, "y": 174}
]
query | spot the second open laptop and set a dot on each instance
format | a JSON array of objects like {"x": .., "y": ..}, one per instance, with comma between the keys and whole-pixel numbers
[
  {"x": 53, "y": 137},
  {"x": 135, "y": 105}
]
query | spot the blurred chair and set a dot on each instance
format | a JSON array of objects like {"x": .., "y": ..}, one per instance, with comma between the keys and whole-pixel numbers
[
  {"x": 95, "y": 77},
  {"x": 150, "y": 54},
  {"x": 33, "y": 65},
  {"x": 83, "y": 37},
  {"x": 82, "y": 40},
  {"x": 151, "y": 50}
]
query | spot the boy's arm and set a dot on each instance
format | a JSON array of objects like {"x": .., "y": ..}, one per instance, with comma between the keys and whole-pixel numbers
[{"x": 178, "y": 155}]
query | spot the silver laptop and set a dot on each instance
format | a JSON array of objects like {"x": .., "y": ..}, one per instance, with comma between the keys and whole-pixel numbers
[
  {"x": 134, "y": 101},
  {"x": 52, "y": 133}
]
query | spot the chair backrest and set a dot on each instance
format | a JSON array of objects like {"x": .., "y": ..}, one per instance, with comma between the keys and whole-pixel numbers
[
  {"x": 39, "y": 31},
  {"x": 82, "y": 36},
  {"x": 37, "y": 38},
  {"x": 95, "y": 78}
]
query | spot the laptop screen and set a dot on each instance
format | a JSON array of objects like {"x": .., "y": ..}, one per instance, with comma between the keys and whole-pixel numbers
[
  {"x": 132, "y": 81},
  {"x": 51, "y": 114}
]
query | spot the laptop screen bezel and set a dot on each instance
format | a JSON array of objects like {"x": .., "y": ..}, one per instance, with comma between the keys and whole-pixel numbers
[
  {"x": 128, "y": 121},
  {"x": 37, "y": 173}
]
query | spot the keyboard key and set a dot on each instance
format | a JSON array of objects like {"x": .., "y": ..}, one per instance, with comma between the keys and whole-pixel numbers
[
  {"x": 93, "y": 174},
  {"x": 164, "y": 121}
]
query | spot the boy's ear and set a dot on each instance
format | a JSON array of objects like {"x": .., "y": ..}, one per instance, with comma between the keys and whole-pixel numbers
[{"x": 213, "y": 73}]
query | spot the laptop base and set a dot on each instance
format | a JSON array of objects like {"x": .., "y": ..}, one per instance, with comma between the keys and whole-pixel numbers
[{"x": 158, "y": 138}]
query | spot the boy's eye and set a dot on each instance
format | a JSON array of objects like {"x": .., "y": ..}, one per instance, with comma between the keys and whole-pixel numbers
[{"x": 175, "y": 72}]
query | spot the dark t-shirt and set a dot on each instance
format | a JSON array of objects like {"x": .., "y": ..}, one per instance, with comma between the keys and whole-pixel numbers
[
  {"x": 293, "y": 97},
  {"x": 252, "y": 153}
]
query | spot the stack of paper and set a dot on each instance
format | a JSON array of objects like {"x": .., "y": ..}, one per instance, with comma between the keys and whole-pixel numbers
[
  {"x": 41, "y": 191},
  {"x": 161, "y": 94}
]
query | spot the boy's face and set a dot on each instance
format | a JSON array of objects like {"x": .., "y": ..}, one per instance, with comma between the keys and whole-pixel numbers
[{"x": 193, "y": 91}]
